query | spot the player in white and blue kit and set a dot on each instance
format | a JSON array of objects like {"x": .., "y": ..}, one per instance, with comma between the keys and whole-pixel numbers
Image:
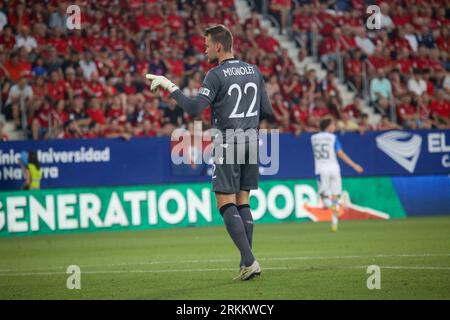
[{"x": 326, "y": 147}]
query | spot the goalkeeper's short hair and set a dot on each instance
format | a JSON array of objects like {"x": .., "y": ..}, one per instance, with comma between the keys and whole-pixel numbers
[{"x": 221, "y": 34}]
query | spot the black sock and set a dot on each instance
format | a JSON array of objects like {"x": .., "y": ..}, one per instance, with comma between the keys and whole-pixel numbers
[
  {"x": 236, "y": 230},
  {"x": 247, "y": 219}
]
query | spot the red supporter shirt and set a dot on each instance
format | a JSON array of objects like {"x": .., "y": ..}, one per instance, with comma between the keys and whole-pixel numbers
[
  {"x": 76, "y": 86},
  {"x": 76, "y": 43},
  {"x": 379, "y": 62},
  {"x": 239, "y": 44},
  {"x": 198, "y": 42},
  {"x": 405, "y": 65},
  {"x": 129, "y": 89},
  {"x": 61, "y": 45},
  {"x": 7, "y": 42},
  {"x": 96, "y": 42},
  {"x": 152, "y": 22},
  {"x": 142, "y": 133},
  {"x": 56, "y": 90},
  {"x": 114, "y": 20},
  {"x": 110, "y": 130},
  {"x": 43, "y": 115},
  {"x": 38, "y": 91},
  {"x": 283, "y": 3},
  {"x": 178, "y": 43},
  {"x": 206, "y": 66},
  {"x": 347, "y": 42},
  {"x": 268, "y": 44},
  {"x": 420, "y": 63},
  {"x": 229, "y": 19},
  {"x": 401, "y": 20},
  {"x": 424, "y": 112},
  {"x": 206, "y": 115},
  {"x": 440, "y": 108},
  {"x": 443, "y": 43},
  {"x": 134, "y": 4},
  {"x": 93, "y": 134},
  {"x": 26, "y": 67},
  {"x": 97, "y": 88},
  {"x": 210, "y": 20},
  {"x": 111, "y": 90},
  {"x": 96, "y": 115},
  {"x": 320, "y": 112},
  {"x": 115, "y": 114},
  {"x": 41, "y": 41},
  {"x": 405, "y": 110},
  {"x": 400, "y": 43},
  {"x": 176, "y": 67},
  {"x": 430, "y": 88},
  {"x": 278, "y": 109},
  {"x": 120, "y": 63},
  {"x": 299, "y": 115},
  {"x": 175, "y": 22},
  {"x": 329, "y": 45},
  {"x": 354, "y": 67},
  {"x": 61, "y": 117},
  {"x": 358, "y": 4},
  {"x": 115, "y": 44},
  {"x": 266, "y": 71},
  {"x": 102, "y": 68},
  {"x": 15, "y": 71},
  {"x": 352, "y": 111},
  {"x": 435, "y": 65},
  {"x": 226, "y": 3},
  {"x": 352, "y": 22},
  {"x": 153, "y": 115},
  {"x": 296, "y": 91},
  {"x": 303, "y": 22},
  {"x": 13, "y": 19}
]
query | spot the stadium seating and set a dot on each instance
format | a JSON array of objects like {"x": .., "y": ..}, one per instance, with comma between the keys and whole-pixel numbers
[
  {"x": 410, "y": 52},
  {"x": 91, "y": 82}
]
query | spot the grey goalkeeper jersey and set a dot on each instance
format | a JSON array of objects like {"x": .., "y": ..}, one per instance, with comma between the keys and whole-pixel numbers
[{"x": 236, "y": 92}]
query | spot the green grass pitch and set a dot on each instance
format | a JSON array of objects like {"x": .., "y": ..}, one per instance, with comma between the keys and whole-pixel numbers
[{"x": 299, "y": 261}]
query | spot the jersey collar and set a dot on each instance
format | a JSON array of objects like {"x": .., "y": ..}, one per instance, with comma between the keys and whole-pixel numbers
[{"x": 229, "y": 59}]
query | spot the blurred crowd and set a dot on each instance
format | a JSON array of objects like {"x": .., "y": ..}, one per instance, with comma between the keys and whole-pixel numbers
[
  {"x": 61, "y": 83},
  {"x": 403, "y": 63}
]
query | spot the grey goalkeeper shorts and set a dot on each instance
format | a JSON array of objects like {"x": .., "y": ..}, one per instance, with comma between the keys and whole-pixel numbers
[{"x": 235, "y": 167}]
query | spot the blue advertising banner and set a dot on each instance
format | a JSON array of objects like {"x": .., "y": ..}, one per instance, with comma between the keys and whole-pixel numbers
[
  {"x": 112, "y": 162},
  {"x": 424, "y": 195}
]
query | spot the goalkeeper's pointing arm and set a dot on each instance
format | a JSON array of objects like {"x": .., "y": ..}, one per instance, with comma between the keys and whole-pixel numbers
[{"x": 193, "y": 106}]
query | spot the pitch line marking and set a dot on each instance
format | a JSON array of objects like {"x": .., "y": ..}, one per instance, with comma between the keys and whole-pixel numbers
[
  {"x": 226, "y": 269},
  {"x": 260, "y": 259},
  {"x": 231, "y": 260},
  {"x": 33, "y": 271}
]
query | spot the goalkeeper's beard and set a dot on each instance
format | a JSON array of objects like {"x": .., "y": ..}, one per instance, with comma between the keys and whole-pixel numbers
[{"x": 213, "y": 60}]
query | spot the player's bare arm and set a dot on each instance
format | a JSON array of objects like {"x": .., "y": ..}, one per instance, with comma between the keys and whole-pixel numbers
[{"x": 341, "y": 154}]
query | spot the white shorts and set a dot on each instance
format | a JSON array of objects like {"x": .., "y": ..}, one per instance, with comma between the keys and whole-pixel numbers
[{"x": 329, "y": 182}]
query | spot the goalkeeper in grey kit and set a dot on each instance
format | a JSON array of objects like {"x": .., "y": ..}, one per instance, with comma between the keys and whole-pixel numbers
[{"x": 237, "y": 95}]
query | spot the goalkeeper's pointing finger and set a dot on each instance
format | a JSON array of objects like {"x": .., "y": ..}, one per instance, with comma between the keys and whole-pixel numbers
[
  {"x": 154, "y": 86},
  {"x": 150, "y": 76}
]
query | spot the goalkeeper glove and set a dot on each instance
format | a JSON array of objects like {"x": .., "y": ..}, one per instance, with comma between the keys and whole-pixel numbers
[{"x": 161, "y": 81}]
